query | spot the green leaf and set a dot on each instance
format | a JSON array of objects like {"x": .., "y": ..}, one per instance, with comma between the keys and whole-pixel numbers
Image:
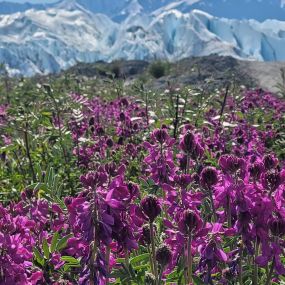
[
  {"x": 54, "y": 242},
  {"x": 46, "y": 249},
  {"x": 198, "y": 281},
  {"x": 38, "y": 257},
  {"x": 70, "y": 260},
  {"x": 139, "y": 258},
  {"x": 63, "y": 242},
  {"x": 120, "y": 260}
]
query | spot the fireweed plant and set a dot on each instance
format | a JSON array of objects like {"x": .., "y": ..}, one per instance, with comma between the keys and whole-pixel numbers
[{"x": 203, "y": 204}]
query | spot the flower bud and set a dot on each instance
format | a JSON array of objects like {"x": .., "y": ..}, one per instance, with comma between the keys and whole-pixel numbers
[
  {"x": 91, "y": 121},
  {"x": 255, "y": 170},
  {"x": 160, "y": 135},
  {"x": 124, "y": 102},
  {"x": 277, "y": 227},
  {"x": 271, "y": 180},
  {"x": 151, "y": 207},
  {"x": 100, "y": 131},
  {"x": 122, "y": 117},
  {"x": 189, "y": 221},
  {"x": 209, "y": 177},
  {"x": 188, "y": 142},
  {"x": 163, "y": 255},
  {"x": 270, "y": 161},
  {"x": 146, "y": 234},
  {"x": 231, "y": 163},
  {"x": 109, "y": 142}
]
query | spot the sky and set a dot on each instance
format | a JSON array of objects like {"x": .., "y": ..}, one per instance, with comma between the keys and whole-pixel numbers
[{"x": 31, "y": 1}]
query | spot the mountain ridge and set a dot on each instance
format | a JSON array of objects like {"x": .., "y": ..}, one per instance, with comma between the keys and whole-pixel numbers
[{"x": 116, "y": 10}]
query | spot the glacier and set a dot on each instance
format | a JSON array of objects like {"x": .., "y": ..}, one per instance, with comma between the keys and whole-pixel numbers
[{"x": 50, "y": 40}]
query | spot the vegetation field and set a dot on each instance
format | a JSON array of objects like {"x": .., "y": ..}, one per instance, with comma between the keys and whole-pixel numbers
[{"x": 110, "y": 182}]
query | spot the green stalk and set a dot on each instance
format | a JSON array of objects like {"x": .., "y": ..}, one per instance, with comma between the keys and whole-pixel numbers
[
  {"x": 213, "y": 207},
  {"x": 229, "y": 214},
  {"x": 255, "y": 269},
  {"x": 240, "y": 268},
  {"x": 150, "y": 260},
  {"x": 92, "y": 261},
  {"x": 108, "y": 251},
  {"x": 28, "y": 153},
  {"x": 190, "y": 260},
  {"x": 269, "y": 276},
  {"x": 155, "y": 272}
]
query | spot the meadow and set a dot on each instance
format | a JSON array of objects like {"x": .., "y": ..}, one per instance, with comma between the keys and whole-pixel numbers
[{"x": 103, "y": 182}]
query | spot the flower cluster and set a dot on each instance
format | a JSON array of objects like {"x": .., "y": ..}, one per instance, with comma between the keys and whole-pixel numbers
[{"x": 206, "y": 208}]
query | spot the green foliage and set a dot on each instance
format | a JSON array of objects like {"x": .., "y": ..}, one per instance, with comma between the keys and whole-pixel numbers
[{"x": 158, "y": 69}]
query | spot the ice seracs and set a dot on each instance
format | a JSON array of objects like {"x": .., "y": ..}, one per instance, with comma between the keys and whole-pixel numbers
[{"x": 45, "y": 41}]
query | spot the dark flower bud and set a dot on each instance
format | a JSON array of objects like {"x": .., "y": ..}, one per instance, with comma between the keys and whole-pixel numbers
[
  {"x": 27, "y": 194},
  {"x": 231, "y": 163},
  {"x": 146, "y": 234},
  {"x": 196, "y": 178},
  {"x": 183, "y": 162},
  {"x": 149, "y": 279},
  {"x": 100, "y": 131},
  {"x": 189, "y": 221},
  {"x": 277, "y": 226},
  {"x": 163, "y": 255},
  {"x": 255, "y": 170},
  {"x": 240, "y": 140},
  {"x": 270, "y": 161},
  {"x": 160, "y": 135},
  {"x": 67, "y": 201},
  {"x": 198, "y": 151},
  {"x": 209, "y": 177},
  {"x": 188, "y": 142},
  {"x": 125, "y": 102},
  {"x": 120, "y": 141},
  {"x": 93, "y": 178},
  {"x": 271, "y": 180},
  {"x": 133, "y": 189},
  {"x": 151, "y": 207},
  {"x": 122, "y": 117},
  {"x": 91, "y": 121},
  {"x": 136, "y": 126},
  {"x": 109, "y": 142},
  {"x": 228, "y": 274}
]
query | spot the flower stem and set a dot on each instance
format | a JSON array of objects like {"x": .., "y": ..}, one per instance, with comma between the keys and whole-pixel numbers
[
  {"x": 150, "y": 259},
  {"x": 190, "y": 260},
  {"x": 269, "y": 276},
  {"x": 255, "y": 269},
  {"x": 127, "y": 258},
  {"x": 160, "y": 275},
  {"x": 240, "y": 267},
  {"x": 229, "y": 214},
  {"x": 92, "y": 261},
  {"x": 155, "y": 272},
  {"x": 213, "y": 208},
  {"x": 108, "y": 251}
]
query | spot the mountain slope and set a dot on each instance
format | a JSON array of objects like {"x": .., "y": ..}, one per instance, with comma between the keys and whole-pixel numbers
[
  {"x": 50, "y": 40},
  {"x": 233, "y": 9}
]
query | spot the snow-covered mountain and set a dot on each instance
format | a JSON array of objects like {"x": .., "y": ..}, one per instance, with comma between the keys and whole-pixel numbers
[{"x": 50, "y": 39}]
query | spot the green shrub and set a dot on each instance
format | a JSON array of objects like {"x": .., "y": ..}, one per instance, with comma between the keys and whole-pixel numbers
[{"x": 158, "y": 69}]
